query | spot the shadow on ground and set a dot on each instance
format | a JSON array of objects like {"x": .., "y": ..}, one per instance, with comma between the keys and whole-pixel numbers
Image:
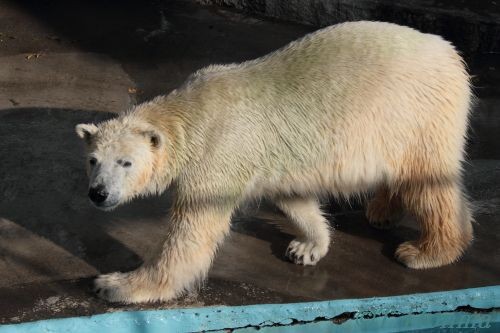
[
  {"x": 43, "y": 192},
  {"x": 176, "y": 37}
]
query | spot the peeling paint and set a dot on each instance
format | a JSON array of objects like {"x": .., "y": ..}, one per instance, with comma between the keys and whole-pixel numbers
[{"x": 452, "y": 311}]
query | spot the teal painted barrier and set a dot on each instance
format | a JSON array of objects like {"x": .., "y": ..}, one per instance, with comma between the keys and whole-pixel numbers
[{"x": 467, "y": 310}]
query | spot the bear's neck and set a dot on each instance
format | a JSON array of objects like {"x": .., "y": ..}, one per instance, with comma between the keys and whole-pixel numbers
[
  {"x": 184, "y": 117},
  {"x": 172, "y": 155}
]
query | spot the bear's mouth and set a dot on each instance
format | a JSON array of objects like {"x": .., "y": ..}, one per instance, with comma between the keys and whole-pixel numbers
[{"x": 106, "y": 205}]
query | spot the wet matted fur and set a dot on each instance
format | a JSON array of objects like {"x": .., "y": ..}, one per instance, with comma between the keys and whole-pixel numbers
[{"x": 349, "y": 109}]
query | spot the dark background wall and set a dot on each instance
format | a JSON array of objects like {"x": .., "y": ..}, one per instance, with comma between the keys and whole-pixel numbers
[{"x": 473, "y": 26}]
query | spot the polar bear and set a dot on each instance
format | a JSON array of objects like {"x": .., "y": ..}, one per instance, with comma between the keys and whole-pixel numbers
[{"x": 360, "y": 107}]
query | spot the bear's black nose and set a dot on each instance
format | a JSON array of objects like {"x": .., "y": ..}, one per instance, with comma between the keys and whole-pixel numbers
[{"x": 98, "y": 194}]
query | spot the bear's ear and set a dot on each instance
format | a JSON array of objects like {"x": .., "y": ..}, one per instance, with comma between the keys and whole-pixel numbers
[
  {"x": 86, "y": 131},
  {"x": 154, "y": 137}
]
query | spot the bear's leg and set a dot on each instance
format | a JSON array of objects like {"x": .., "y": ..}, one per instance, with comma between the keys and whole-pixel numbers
[
  {"x": 314, "y": 238},
  {"x": 184, "y": 259},
  {"x": 445, "y": 219},
  {"x": 384, "y": 211}
]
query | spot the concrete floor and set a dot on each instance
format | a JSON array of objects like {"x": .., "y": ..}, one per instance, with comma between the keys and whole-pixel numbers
[{"x": 64, "y": 64}]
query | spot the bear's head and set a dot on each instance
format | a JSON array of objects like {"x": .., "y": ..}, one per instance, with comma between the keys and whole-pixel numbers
[{"x": 122, "y": 156}]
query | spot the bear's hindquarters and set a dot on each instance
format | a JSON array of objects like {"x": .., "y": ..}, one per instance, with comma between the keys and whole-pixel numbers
[
  {"x": 429, "y": 184},
  {"x": 428, "y": 167}
]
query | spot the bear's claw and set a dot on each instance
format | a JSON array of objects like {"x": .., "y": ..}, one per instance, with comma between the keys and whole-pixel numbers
[{"x": 305, "y": 253}]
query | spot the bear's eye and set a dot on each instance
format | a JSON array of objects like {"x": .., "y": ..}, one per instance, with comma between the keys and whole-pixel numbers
[
  {"x": 127, "y": 164},
  {"x": 92, "y": 161}
]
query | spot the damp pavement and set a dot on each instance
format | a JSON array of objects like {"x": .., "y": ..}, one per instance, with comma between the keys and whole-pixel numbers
[{"x": 63, "y": 63}]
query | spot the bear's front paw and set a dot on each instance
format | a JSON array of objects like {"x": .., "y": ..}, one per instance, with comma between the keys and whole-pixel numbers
[
  {"x": 306, "y": 252},
  {"x": 114, "y": 287},
  {"x": 131, "y": 287}
]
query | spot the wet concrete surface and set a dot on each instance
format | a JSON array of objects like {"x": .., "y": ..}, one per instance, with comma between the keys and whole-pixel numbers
[{"x": 63, "y": 64}]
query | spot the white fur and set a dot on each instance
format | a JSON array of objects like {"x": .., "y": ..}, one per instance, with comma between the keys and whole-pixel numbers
[{"x": 352, "y": 108}]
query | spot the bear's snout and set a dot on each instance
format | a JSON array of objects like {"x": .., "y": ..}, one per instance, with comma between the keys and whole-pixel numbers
[{"x": 98, "y": 194}]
